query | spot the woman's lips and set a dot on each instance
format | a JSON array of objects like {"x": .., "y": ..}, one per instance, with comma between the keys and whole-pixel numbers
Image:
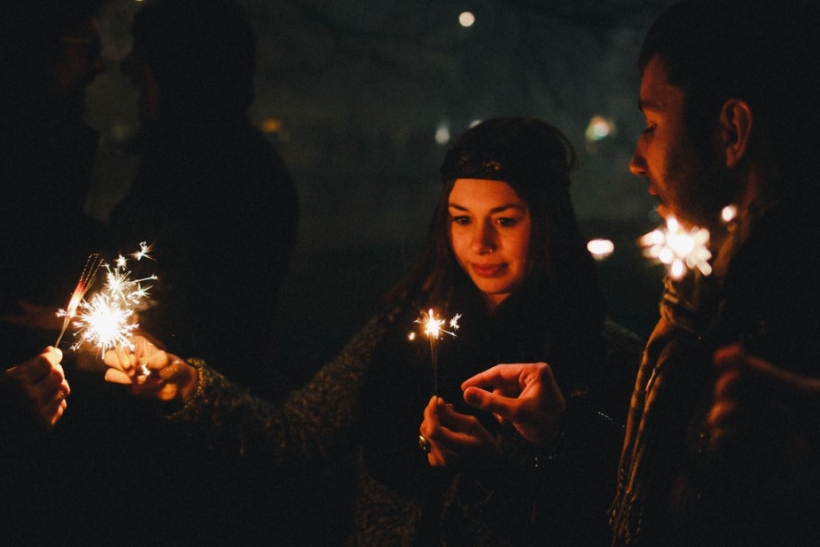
[{"x": 488, "y": 270}]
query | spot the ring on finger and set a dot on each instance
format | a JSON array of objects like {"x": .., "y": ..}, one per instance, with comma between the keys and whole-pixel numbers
[
  {"x": 424, "y": 444},
  {"x": 171, "y": 370}
]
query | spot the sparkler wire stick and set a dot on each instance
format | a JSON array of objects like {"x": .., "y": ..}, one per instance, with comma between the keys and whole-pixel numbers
[{"x": 92, "y": 264}]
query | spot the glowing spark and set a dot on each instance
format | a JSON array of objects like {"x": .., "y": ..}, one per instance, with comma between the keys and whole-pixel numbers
[
  {"x": 679, "y": 249},
  {"x": 105, "y": 323},
  {"x": 454, "y": 322},
  {"x": 92, "y": 264},
  {"x": 432, "y": 327},
  {"x": 728, "y": 213},
  {"x": 143, "y": 252}
]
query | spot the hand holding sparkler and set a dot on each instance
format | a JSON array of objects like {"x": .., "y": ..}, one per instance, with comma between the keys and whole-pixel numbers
[
  {"x": 453, "y": 436},
  {"x": 748, "y": 385},
  {"x": 150, "y": 371},
  {"x": 42, "y": 380},
  {"x": 525, "y": 394}
]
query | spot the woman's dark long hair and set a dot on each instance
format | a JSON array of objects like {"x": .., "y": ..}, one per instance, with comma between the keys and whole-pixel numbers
[{"x": 535, "y": 159}]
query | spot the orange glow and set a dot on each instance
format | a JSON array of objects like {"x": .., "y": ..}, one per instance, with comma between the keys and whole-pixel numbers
[{"x": 271, "y": 125}]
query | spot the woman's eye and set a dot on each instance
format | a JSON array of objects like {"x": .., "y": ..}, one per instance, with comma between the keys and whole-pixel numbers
[
  {"x": 507, "y": 222},
  {"x": 461, "y": 220},
  {"x": 649, "y": 129}
]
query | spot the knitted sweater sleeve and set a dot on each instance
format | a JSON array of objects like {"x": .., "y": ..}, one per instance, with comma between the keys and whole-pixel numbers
[{"x": 313, "y": 423}]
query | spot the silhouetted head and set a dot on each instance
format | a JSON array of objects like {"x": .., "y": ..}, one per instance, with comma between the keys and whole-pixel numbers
[
  {"x": 201, "y": 55},
  {"x": 51, "y": 51}
]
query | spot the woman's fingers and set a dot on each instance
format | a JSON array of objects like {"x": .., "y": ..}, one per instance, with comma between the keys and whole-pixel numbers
[{"x": 117, "y": 376}]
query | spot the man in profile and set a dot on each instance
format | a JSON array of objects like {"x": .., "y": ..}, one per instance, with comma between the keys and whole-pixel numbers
[
  {"x": 727, "y": 93},
  {"x": 727, "y": 90}
]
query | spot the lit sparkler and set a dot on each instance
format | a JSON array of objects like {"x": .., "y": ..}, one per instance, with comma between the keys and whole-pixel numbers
[
  {"x": 678, "y": 248},
  {"x": 433, "y": 328},
  {"x": 92, "y": 264},
  {"x": 108, "y": 319}
]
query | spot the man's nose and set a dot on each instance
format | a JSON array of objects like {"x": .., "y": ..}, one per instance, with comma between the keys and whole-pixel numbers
[{"x": 637, "y": 165}]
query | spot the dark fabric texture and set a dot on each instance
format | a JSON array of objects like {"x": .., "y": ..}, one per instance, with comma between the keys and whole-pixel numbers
[{"x": 673, "y": 488}]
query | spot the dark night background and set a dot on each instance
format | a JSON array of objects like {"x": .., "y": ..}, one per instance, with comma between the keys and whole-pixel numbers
[{"x": 359, "y": 98}]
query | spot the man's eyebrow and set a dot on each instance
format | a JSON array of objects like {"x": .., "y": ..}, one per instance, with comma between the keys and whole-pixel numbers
[{"x": 648, "y": 104}]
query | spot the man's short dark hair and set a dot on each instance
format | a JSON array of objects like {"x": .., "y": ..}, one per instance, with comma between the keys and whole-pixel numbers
[{"x": 760, "y": 51}]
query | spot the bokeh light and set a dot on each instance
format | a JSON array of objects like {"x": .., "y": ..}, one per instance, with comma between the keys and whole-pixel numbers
[
  {"x": 600, "y": 249},
  {"x": 443, "y": 134},
  {"x": 466, "y": 19},
  {"x": 599, "y": 128}
]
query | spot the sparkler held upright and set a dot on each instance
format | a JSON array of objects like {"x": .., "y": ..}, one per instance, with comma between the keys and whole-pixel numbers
[{"x": 433, "y": 329}]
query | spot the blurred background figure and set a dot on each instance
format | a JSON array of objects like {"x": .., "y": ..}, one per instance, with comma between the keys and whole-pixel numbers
[
  {"x": 218, "y": 206},
  {"x": 211, "y": 195},
  {"x": 51, "y": 51}
]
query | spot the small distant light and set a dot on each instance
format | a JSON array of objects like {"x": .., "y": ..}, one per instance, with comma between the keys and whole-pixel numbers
[
  {"x": 599, "y": 128},
  {"x": 271, "y": 125},
  {"x": 442, "y": 135},
  {"x": 600, "y": 248},
  {"x": 466, "y": 19},
  {"x": 411, "y": 336},
  {"x": 728, "y": 213}
]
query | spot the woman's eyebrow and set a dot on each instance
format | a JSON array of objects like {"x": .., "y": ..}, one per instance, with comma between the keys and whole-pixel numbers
[{"x": 498, "y": 209}]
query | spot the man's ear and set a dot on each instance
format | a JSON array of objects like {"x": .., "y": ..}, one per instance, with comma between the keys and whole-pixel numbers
[{"x": 736, "y": 123}]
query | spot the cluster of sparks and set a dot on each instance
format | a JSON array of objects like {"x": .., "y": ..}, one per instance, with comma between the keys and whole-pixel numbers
[
  {"x": 433, "y": 327},
  {"x": 108, "y": 318},
  {"x": 679, "y": 249}
]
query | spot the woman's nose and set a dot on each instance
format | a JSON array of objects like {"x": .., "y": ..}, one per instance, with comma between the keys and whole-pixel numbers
[{"x": 484, "y": 241}]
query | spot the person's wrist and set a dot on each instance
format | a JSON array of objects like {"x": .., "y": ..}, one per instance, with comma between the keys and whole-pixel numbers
[{"x": 188, "y": 387}]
